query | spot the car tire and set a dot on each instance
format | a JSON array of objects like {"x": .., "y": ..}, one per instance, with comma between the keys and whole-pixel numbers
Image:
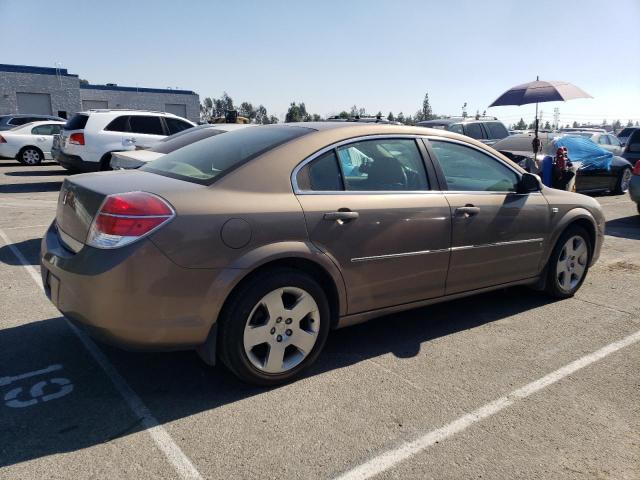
[
  {"x": 105, "y": 163},
  {"x": 622, "y": 186},
  {"x": 569, "y": 263},
  {"x": 252, "y": 315},
  {"x": 30, "y": 156}
]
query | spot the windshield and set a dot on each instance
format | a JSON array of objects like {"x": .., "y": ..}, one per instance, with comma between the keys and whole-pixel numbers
[{"x": 203, "y": 161}]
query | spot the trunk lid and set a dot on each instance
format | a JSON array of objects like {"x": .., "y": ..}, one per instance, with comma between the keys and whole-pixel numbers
[{"x": 81, "y": 197}]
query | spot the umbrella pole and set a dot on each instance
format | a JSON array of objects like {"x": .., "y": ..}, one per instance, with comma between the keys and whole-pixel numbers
[{"x": 536, "y": 141}]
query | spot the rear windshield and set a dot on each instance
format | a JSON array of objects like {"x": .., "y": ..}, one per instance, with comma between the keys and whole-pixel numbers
[
  {"x": 625, "y": 132},
  {"x": 77, "y": 122},
  {"x": 184, "y": 138},
  {"x": 203, "y": 161}
]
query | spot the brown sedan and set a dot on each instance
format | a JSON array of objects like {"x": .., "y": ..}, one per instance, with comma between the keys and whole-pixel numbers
[{"x": 250, "y": 246}]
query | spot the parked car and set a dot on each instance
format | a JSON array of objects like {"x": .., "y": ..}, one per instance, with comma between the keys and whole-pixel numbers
[
  {"x": 7, "y": 122},
  {"x": 634, "y": 186},
  {"x": 582, "y": 129},
  {"x": 250, "y": 246},
  {"x": 30, "y": 143},
  {"x": 487, "y": 130},
  {"x": 632, "y": 147},
  {"x": 137, "y": 158},
  {"x": 604, "y": 140},
  {"x": 614, "y": 179},
  {"x": 89, "y": 138}
]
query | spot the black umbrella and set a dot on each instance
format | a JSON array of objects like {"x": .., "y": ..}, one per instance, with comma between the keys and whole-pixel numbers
[{"x": 538, "y": 92}]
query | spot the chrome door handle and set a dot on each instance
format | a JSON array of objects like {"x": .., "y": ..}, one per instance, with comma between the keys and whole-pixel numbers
[
  {"x": 344, "y": 215},
  {"x": 467, "y": 211}
]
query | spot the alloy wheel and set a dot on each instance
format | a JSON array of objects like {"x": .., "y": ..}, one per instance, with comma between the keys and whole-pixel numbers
[
  {"x": 572, "y": 263},
  {"x": 31, "y": 156},
  {"x": 625, "y": 180},
  {"x": 281, "y": 330}
]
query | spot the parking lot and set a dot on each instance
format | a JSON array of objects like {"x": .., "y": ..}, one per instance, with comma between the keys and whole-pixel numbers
[{"x": 432, "y": 393}]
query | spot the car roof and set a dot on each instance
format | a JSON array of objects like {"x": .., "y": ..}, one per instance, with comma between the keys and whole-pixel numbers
[
  {"x": 23, "y": 115},
  {"x": 126, "y": 111}
]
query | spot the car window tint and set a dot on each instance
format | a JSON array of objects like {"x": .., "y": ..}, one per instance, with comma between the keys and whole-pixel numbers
[
  {"x": 603, "y": 140},
  {"x": 322, "y": 174},
  {"x": 20, "y": 121},
  {"x": 203, "y": 161},
  {"x": 456, "y": 127},
  {"x": 468, "y": 169},
  {"x": 118, "y": 124},
  {"x": 176, "y": 125},
  {"x": 382, "y": 165},
  {"x": 146, "y": 125},
  {"x": 496, "y": 130},
  {"x": 473, "y": 130},
  {"x": 614, "y": 141}
]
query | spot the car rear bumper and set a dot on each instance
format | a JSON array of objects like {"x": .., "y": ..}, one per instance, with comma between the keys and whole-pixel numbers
[
  {"x": 74, "y": 162},
  {"x": 133, "y": 297}
]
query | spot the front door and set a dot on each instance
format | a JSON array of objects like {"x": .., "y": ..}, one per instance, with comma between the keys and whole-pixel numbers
[
  {"x": 368, "y": 205},
  {"x": 497, "y": 233}
]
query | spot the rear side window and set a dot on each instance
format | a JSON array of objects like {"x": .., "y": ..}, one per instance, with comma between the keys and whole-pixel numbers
[
  {"x": 146, "y": 125},
  {"x": 383, "y": 165},
  {"x": 322, "y": 174},
  {"x": 203, "y": 161},
  {"x": 21, "y": 120},
  {"x": 119, "y": 124},
  {"x": 176, "y": 125},
  {"x": 467, "y": 169},
  {"x": 77, "y": 122},
  {"x": 473, "y": 130},
  {"x": 457, "y": 128},
  {"x": 496, "y": 130},
  {"x": 46, "y": 130}
]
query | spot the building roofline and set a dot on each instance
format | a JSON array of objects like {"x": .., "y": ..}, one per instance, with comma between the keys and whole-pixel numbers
[
  {"x": 118, "y": 88},
  {"x": 37, "y": 70}
]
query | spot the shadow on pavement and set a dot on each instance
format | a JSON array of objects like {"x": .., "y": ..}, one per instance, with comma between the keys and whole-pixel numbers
[
  {"x": 37, "y": 173},
  {"x": 10, "y": 162},
  {"x": 626, "y": 227},
  {"x": 31, "y": 187},
  {"x": 178, "y": 385},
  {"x": 30, "y": 249}
]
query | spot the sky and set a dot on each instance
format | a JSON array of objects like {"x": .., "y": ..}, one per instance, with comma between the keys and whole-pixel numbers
[{"x": 332, "y": 54}]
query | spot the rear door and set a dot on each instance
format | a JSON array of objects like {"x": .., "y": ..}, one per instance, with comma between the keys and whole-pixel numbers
[
  {"x": 44, "y": 137},
  {"x": 476, "y": 131},
  {"x": 146, "y": 130},
  {"x": 370, "y": 205},
  {"x": 497, "y": 233}
]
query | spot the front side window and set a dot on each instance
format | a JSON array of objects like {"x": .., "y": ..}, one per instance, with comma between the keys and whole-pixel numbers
[
  {"x": 176, "y": 125},
  {"x": 614, "y": 141},
  {"x": 381, "y": 165},
  {"x": 496, "y": 130},
  {"x": 203, "y": 161},
  {"x": 603, "y": 140},
  {"x": 146, "y": 125},
  {"x": 457, "y": 128},
  {"x": 468, "y": 169},
  {"x": 473, "y": 130}
]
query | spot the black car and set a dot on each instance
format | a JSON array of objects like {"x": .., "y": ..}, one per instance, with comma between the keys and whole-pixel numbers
[
  {"x": 7, "y": 122},
  {"x": 615, "y": 179},
  {"x": 488, "y": 130}
]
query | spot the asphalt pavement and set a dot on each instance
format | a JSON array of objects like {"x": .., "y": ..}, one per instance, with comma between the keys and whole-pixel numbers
[{"x": 504, "y": 385}]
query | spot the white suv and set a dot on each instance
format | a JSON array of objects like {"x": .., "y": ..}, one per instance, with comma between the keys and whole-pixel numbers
[{"x": 88, "y": 138}]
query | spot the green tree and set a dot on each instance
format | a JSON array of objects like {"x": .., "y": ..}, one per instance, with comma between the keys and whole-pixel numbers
[
  {"x": 629, "y": 123},
  {"x": 390, "y": 117},
  {"x": 400, "y": 117},
  {"x": 247, "y": 110},
  {"x": 297, "y": 113},
  {"x": 427, "y": 111},
  {"x": 547, "y": 125},
  {"x": 575, "y": 124},
  {"x": 617, "y": 125},
  {"x": 344, "y": 114},
  {"x": 84, "y": 81},
  {"x": 521, "y": 125},
  {"x": 206, "y": 109}
]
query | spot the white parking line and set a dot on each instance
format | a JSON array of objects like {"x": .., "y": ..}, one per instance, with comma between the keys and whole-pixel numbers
[
  {"x": 162, "y": 439},
  {"x": 393, "y": 457},
  {"x": 26, "y": 226}
]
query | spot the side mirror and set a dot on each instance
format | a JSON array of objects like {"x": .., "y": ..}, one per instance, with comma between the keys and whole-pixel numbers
[{"x": 529, "y": 183}]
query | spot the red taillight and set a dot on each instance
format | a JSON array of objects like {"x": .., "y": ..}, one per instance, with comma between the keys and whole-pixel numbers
[
  {"x": 2, "y": 140},
  {"x": 76, "y": 138},
  {"x": 127, "y": 217},
  {"x": 636, "y": 169}
]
